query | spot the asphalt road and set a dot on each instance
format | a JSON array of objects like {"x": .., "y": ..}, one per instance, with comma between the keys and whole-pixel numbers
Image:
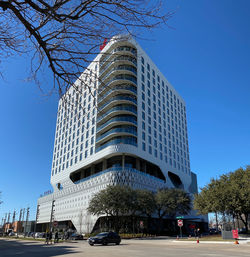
[{"x": 128, "y": 248}]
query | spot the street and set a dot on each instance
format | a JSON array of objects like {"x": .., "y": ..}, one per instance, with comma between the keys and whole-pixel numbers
[{"x": 127, "y": 248}]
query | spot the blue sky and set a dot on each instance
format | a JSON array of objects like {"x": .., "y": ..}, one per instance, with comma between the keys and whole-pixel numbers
[{"x": 205, "y": 55}]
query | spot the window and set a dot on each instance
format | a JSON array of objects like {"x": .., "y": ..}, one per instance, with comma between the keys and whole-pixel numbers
[
  {"x": 149, "y": 129},
  {"x": 143, "y": 125},
  {"x": 143, "y": 115},
  {"x": 143, "y": 146},
  {"x": 142, "y": 60}
]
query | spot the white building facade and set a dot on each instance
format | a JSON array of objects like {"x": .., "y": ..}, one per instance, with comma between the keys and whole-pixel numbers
[{"x": 121, "y": 123}]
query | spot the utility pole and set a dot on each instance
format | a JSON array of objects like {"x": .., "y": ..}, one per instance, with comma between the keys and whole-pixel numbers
[
  {"x": 13, "y": 216},
  {"x": 23, "y": 210},
  {"x": 13, "y": 219},
  {"x": 8, "y": 221},
  {"x": 37, "y": 215},
  {"x": 19, "y": 221},
  {"x": 4, "y": 222},
  {"x": 27, "y": 218}
]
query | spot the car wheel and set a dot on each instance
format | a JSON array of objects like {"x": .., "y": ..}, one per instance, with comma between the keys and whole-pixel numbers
[
  {"x": 104, "y": 242},
  {"x": 91, "y": 244},
  {"x": 117, "y": 243}
]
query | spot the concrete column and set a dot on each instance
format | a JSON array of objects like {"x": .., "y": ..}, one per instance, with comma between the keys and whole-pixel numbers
[
  {"x": 104, "y": 164},
  {"x": 138, "y": 164},
  {"x": 123, "y": 161}
]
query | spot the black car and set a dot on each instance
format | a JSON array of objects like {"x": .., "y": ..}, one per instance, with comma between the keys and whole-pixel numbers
[
  {"x": 75, "y": 236},
  {"x": 105, "y": 238}
]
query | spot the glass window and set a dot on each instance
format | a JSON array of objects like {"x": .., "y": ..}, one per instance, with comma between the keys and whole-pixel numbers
[
  {"x": 143, "y": 125},
  {"x": 142, "y": 60},
  {"x": 143, "y": 115}
]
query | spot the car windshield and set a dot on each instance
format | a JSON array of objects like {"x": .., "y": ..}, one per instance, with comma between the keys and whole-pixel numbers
[{"x": 103, "y": 234}]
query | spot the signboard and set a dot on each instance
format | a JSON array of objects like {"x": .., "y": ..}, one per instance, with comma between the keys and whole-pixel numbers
[
  {"x": 235, "y": 233},
  {"x": 55, "y": 224},
  {"x": 179, "y": 217},
  {"x": 180, "y": 223}
]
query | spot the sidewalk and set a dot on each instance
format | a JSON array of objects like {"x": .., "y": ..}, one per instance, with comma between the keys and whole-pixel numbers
[{"x": 241, "y": 241}]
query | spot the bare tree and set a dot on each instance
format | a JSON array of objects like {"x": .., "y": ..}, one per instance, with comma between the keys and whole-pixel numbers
[{"x": 65, "y": 35}]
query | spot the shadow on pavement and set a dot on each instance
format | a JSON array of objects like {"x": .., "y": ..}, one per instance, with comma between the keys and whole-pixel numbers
[{"x": 9, "y": 248}]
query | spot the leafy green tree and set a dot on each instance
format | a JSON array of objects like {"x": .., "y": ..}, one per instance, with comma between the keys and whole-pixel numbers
[
  {"x": 239, "y": 189},
  {"x": 120, "y": 202},
  {"x": 230, "y": 194},
  {"x": 114, "y": 201},
  {"x": 171, "y": 201},
  {"x": 145, "y": 204}
]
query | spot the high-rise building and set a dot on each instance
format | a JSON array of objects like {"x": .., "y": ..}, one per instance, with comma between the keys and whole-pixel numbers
[{"x": 122, "y": 123}]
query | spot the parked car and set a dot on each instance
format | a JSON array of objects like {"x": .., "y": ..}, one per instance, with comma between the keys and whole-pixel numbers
[
  {"x": 39, "y": 235},
  {"x": 105, "y": 238},
  {"x": 76, "y": 236},
  {"x": 213, "y": 231}
]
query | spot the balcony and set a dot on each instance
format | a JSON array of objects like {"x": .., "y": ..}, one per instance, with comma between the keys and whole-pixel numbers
[
  {"x": 120, "y": 68},
  {"x": 119, "y": 108},
  {"x": 122, "y": 87},
  {"x": 120, "y": 98},
  {"x": 120, "y": 50},
  {"x": 118, "y": 119},
  {"x": 114, "y": 131}
]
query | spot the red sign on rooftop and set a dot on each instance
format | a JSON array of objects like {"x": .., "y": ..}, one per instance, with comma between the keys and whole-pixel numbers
[{"x": 103, "y": 44}]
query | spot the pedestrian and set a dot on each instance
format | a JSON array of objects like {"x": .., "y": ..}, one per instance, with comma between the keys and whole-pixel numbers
[
  {"x": 198, "y": 232},
  {"x": 56, "y": 237},
  {"x": 50, "y": 237},
  {"x": 47, "y": 237}
]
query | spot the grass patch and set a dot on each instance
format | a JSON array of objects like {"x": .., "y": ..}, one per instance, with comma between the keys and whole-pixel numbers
[{"x": 207, "y": 238}]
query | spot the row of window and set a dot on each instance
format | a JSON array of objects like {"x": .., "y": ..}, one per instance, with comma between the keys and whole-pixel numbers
[{"x": 163, "y": 110}]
